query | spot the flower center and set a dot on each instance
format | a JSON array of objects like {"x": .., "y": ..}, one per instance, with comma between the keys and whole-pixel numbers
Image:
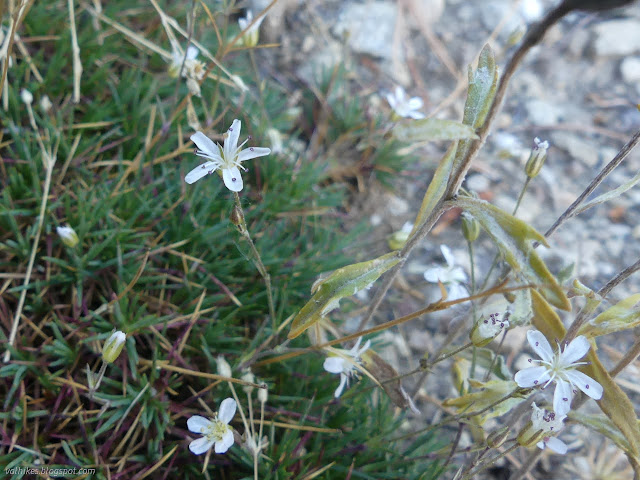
[{"x": 216, "y": 430}]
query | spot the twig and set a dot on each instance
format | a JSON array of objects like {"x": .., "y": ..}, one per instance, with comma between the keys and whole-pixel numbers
[{"x": 75, "y": 48}]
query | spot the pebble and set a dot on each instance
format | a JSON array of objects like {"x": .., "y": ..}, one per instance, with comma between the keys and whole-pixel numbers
[
  {"x": 630, "y": 69},
  {"x": 617, "y": 38},
  {"x": 577, "y": 147},
  {"x": 368, "y": 28},
  {"x": 543, "y": 112}
]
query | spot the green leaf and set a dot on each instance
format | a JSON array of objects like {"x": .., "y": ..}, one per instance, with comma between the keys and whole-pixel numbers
[
  {"x": 513, "y": 238},
  {"x": 432, "y": 129},
  {"x": 619, "y": 317},
  {"x": 601, "y": 424},
  {"x": 605, "y": 197},
  {"x": 344, "y": 282},
  {"x": 483, "y": 83},
  {"x": 614, "y": 402},
  {"x": 436, "y": 189}
]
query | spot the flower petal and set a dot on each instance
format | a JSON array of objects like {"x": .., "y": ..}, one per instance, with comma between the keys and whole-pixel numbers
[
  {"x": 192, "y": 53},
  {"x": 577, "y": 349},
  {"x": 457, "y": 274},
  {"x": 226, "y": 442},
  {"x": 200, "y": 171},
  {"x": 585, "y": 383},
  {"x": 417, "y": 115},
  {"x": 343, "y": 382},
  {"x": 227, "y": 410},
  {"x": 333, "y": 364},
  {"x": 456, "y": 292},
  {"x": 252, "y": 152},
  {"x": 531, "y": 377},
  {"x": 200, "y": 445},
  {"x": 392, "y": 101},
  {"x": 231, "y": 142},
  {"x": 556, "y": 445},
  {"x": 540, "y": 345},
  {"x": 448, "y": 256},
  {"x": 437, "y": 273},
  {"x": 205, "y": 144},
  {"x": 197, "y": 424},
  {"x": 400, "y": 94},
  {"x": 364, "y": 348},
  {"x": 562, "y": 397},
  {"x": 415, "y": 103},
  {"x": 232, "y": 179}
]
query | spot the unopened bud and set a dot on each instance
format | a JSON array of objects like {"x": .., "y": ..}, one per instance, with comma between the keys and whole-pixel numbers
[
  {"x": 497, "y": 438},
  {"x": 193, "y": 86},
  {"x": 113, "y": 346},
  {"x": 536, "y": 158},
  {"x": 236, "y": 216},
  {"x": 470, "y": 228},
  {"x": 45, "y": 104},
  {"x": 250, "y": 378},
  {"x": 263, "y": 394},
  {"x": 26, "y": 96},
  {"x": 398, "y": 240},
  {"x": 485, "y": 330},
  {"x": 223, "y": 367},
  {"x": 68, "y": 236},
  {"x": 192, "y": 117}
]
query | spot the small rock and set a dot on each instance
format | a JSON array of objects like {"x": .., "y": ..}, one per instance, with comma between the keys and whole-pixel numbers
[
  {"x": 617, "y": 38},
  {"x": 542, "y": 112},
  {"x": 577, "y": 147},
  {"x": 368, "y": 28},
  {"x": 630, "y": 69}
]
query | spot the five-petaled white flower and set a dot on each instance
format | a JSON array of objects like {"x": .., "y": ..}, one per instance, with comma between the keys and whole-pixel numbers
[
  {"x": 452, "y": 275},
  {"x": 345, "y": 364},
  {"x": 216, "y": 431},
  {"x": 559, "y": 367},
  {"x": 227, "y": 158},
  {"x": 404, "y": 106},
  {"x": 550, "y": 424}
]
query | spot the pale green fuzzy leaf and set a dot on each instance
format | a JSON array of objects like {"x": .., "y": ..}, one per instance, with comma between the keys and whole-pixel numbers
[
  {"x": 344, "y": 282},
  {"x": 605, "y": 197},
  {"x": 490, "y": 393},
  {"x": 601, "y": 424},
  {"x": 513, "y": 237},
  {"x": 622, "y": 316},
  {"x": 483, "y": 83},
  {"x": 436, "y": 189},
  {"x": 432, "y": 129}
]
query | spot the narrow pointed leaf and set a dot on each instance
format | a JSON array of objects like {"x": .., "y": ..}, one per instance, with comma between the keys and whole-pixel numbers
[
  {"x": 483, "y": 83},
  {"x": 605, "y": 197},
  {"x": 383, "y": 373},
  {"x": 622, "y": 316},
  {"x": 344, "y": 282},
  {"x": 432, "y": 129},
  {"x": 436, "y": 189},
  {"x": 513, "y": 237}
]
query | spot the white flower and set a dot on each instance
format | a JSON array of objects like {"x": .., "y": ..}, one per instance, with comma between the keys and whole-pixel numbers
[
  {"x": 26, "y": 96},
  {"x": 177, "y": 57},
  {"x": 227, "y": 158},
  {"x": 216, "y": 431},
  {"x": 404, "y": 106},
  {"x": 250, "y": 37},
  {"x": 345, "y": 364},
  {"x": 542, "y": 430},
  {"x": 559, "y": 367},
  {"x": 451, "y": 275}
]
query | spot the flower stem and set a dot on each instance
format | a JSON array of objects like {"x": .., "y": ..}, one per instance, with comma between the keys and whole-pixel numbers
[{"x": 244, "y": 231}]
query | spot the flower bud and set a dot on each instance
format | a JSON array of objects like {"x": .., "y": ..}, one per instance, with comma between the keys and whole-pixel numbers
[
  {"x": 45, "y": 104},
  {"x": 485, "y": 330},
  {"x": 113, "y": 346},
  {"x": 68, "y": 236},
  {"x": 470, "y": 228},
  {"x": 536, "y": 158},
  {"x": 263, "y": 394},
  {"x": 497, "y": 438},
  {"x": 193, "y": 86},
  {"x": 26, "y": 96},
  {"x": 398, "y": 240},
  {"x": 248, "y": 377},
  {"x": 236, "y": 216},
  {"x": 223, "y": 367}
]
